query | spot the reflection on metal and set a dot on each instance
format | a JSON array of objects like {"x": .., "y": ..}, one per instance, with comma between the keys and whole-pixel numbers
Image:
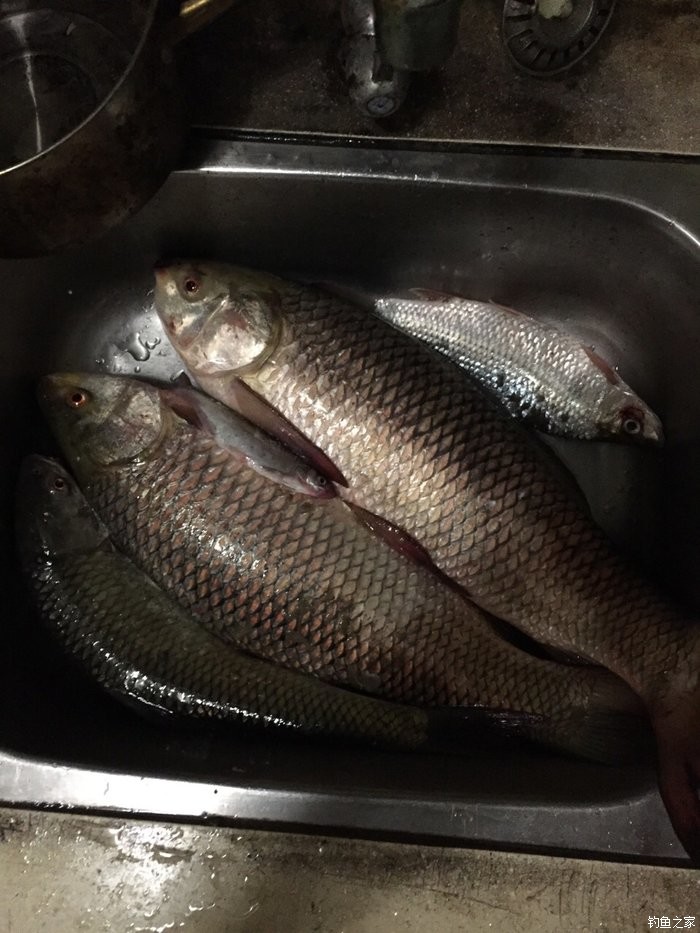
[
  {"x": 385, "y": 40},
  {"x": 375, "y": 88},
  {"x": 90, "y": 117}
]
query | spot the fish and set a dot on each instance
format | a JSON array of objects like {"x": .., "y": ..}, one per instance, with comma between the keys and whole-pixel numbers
[
  {"x": 542, "y": 375},
  {"x": 139, "y": 645},
  {"x": 301, "y": 582},
  {"x": 433, "y": 453},
  {"x": 259, "y": 450}
]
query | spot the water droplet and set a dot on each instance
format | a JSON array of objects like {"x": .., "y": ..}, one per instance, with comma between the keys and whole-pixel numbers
[
  {"x": 137, "y": 369},
  {"x": 137, "y": 348},
  {"x": 151, "y": 342}
]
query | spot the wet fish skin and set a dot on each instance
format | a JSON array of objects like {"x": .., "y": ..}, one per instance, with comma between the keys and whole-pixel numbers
[
  {"x": 139, "y": 645},
  {"x": 259, "y": 450},
  {"x": 302, "y": 582},
  {"x": 541, "y": 374},
  {"x": 431, "y": 452}
]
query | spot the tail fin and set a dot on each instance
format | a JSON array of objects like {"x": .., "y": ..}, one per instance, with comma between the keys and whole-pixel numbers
[
  {"x": 602, "y": 735},
  {"x": 609, "y": 727}
]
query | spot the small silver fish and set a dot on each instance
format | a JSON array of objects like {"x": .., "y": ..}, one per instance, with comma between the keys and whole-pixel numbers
[{"x": 541, "y": 375}]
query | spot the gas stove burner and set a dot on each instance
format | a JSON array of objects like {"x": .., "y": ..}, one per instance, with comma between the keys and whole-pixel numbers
[{"x": 547, "y": 37}]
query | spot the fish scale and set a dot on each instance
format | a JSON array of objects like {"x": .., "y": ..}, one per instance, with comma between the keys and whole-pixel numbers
[
  {"x": 237, "y": 551},
  {"x": 539, "y": 373},
  {"x": 443, "y": 460},
  {"x": 138, "y": 644},
  {"x": 418, "y": 483}
]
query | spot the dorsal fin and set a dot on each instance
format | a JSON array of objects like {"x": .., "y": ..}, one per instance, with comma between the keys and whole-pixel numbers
[{"x": 601, "y": 364}]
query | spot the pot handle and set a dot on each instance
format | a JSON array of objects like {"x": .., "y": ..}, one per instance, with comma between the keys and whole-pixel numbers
[{"x": 197, "y": 13}]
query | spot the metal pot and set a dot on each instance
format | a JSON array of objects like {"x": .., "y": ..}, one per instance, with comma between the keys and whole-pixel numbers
[{"x": 90, "y": 119}]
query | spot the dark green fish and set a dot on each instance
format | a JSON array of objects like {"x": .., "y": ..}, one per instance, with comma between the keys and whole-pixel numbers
[
  {"x": 139, "y": 645},
  {"x": 300, "y": 581}
]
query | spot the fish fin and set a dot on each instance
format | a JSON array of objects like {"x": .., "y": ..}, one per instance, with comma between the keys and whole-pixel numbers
[
  {"x": 606, "y": 736},
  {"x": 601, "y": 364},
  {"x": 183, "y": 402},
  {"x": 395, "y": 537},
  {"x": 247, "y": 442},
  {"x": 611, "y": 728},
  {"x": 678, "y": 744},
  {"x": 432, "y": 294},
  {"x": 258, "y": 410},
  {"x": 515, "y": 636},
  {"x": 509, "y": 310}
]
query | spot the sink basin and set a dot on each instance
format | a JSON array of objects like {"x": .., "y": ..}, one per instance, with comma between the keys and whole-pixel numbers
[{"x": 608, "y": 247}]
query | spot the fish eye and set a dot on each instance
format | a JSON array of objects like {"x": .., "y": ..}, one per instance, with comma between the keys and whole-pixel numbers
[
  {"x": 77, "y": 398},
  {"x": 632, "y": 420},
  {"x": 191, "y": 286},
  {"x": 321, "y": 481},
  {"x": 59, "y": 483}
]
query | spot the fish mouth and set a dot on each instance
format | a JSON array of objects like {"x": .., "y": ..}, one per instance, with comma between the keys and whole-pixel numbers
[{"x": 654, "y": 432}]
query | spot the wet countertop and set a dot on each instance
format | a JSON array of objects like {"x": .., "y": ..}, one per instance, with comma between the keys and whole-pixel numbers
[
  {"x": 65, "y": 873},
  {"x": 272, "y": 65}
]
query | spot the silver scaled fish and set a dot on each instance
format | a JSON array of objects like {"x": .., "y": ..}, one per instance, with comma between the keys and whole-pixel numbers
[{"x": 541, "y": 374}]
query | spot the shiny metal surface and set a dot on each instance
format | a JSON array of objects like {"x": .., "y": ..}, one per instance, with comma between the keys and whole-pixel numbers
[
  {"x": 609, "y": 248},
  {"x": 90, "y": 120},
  {"x": 375, "y": 87}
]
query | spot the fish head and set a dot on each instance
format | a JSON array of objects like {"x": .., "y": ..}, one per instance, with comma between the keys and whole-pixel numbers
[
  {"x": 625, "y": 416},
  {"x": 53, "y": 516},
  {"x": 103, "y": 421},
  {"x": 220, "y": 319}
]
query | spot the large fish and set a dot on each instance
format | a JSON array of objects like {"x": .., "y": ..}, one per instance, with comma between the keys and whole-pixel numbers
[
  {"x": 542, "y": 375},
  {"x": 426, "y": 448},
  {"x": 300, "y": 581},
  {"x": 138, "y": 644}
]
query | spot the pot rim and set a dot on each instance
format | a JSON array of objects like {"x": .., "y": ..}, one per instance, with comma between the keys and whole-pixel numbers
[{"x": 121, "y": 80}]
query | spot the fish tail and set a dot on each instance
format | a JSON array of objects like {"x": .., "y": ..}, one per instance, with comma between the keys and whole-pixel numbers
[{"x": 608, "y": 726}]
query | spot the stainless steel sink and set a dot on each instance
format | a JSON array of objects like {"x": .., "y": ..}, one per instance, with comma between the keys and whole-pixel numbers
[{"x": 607, "y": 246}]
